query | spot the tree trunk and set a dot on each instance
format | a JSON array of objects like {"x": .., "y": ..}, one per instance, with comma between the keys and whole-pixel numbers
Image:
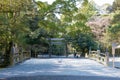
[
  {"x": 8, "y": 54},
  {"x": 83, "y": 53}
]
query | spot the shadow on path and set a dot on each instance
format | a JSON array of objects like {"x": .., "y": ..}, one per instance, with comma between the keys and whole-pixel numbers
[{"x": 62, "y": 78}]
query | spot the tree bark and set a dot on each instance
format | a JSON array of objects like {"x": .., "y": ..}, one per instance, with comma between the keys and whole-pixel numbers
[
  {"x": 83, "y": 53},
  {"x": 8, "y": 54}
]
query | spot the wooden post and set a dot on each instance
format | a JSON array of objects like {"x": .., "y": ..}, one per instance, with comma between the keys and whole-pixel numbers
[
  {"x": 107, "y": 58},
  {"x": 50, "y": 48},
  {"x": 98, "y": 54},
  {"x": 12, "y": 55},
  {"x": 11, "y": 59},
  {"x": 113, "y": 53}
]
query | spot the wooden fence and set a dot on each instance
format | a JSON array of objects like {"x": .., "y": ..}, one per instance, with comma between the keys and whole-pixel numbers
[
  {"x": 99, "y": 57},
  {"x": 15, "y": 58},
  {"x": 20, "y": 57}
]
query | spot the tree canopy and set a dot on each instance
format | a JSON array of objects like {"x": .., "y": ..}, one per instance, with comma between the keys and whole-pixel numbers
[{"x": 27, "y": 22}]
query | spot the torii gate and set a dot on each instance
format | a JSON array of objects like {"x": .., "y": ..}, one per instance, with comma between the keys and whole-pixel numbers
[{"x": 58, "y": 42}]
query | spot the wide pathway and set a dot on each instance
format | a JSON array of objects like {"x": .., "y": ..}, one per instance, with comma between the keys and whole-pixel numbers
[{"x": 60, "y": 69}]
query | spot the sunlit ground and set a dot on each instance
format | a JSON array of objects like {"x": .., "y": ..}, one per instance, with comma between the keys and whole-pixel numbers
[
  {"x": 116, "y": 62},
  {"x": 60, "y": 66}
]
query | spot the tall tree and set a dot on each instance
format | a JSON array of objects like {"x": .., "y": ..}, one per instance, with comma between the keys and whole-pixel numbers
[
  {"x": 75, "y": 24},
  {"x": 12, "y": 12}
]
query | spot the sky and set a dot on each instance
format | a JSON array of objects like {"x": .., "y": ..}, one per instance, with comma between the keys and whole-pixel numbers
[
  {"x": 101, "y": 2},
  {"x": 98, "y": 2}
]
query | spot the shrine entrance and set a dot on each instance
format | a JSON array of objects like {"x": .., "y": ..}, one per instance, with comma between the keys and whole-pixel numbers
[
  {"x": 116, "y": 55},
  {"x": 57, "y": 47}
]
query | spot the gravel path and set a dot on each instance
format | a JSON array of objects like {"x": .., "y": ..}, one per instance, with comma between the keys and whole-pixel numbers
[
  {"x": 63, "y": 78},
  {"x": 60, "y": 69}
]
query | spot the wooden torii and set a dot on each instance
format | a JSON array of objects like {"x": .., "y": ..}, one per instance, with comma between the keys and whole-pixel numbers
[{"x": 57, "y": 41}]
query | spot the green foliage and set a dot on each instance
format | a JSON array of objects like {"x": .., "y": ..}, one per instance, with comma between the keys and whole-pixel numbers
[
  {"x": 116, "y": 18},
  {"x": 114, "y": 30},
  {"x": 82, "y": 41},
  {"x": 85, "y": 41},
  {"x": 76, "y": 30},
  {"x": 12, "y": 26},
  {"x": 12, "y": 5},
  {"x": 116, "y": 5},
  {"x": 22, "y": 23}
]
